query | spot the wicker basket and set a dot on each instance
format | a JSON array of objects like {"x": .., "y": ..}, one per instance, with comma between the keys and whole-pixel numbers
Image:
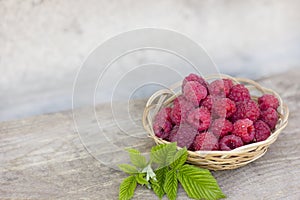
[{"x": 218, "y": 160}]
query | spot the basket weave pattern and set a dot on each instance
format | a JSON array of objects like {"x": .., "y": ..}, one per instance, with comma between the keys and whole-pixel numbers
[{"x": 218, "y": 160}]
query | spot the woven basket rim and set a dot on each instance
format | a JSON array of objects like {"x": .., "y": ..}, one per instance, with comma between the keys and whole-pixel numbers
[{"x": 281, "y": 124}]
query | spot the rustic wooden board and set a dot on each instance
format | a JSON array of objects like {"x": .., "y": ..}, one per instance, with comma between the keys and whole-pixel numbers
[{"x": 43, "y": 158}]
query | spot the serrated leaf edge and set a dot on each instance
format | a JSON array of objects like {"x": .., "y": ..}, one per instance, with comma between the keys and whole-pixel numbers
[
  {"x": 127, "y": 188},
  {"x": 171, "y": 184},
  {"x": 195, "y": 181}
]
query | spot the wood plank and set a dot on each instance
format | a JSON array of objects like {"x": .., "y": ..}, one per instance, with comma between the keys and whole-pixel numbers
[{"x": 43, "y": 158}]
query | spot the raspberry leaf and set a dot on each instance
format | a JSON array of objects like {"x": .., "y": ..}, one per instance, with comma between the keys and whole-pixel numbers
[
  {"x": 137, "y": 159},
  {"x": 127, "y": 188},
  {"x": 171, "y": 168},
  {"x": 163, "y": 154},
  {"x": 141, "y": 180},
  {"x": 129, "y": 169},
  {"x": 158, "y": 185},
  {"x": 179, "y": 158},
  {"x": 171, "y": 184},
  {"x": 199, "y": 183}
]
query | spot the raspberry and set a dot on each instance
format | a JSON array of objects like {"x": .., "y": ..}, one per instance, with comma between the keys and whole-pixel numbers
[
  {"x": 207, "y": 102},
  {"x": 184, "y": 135},
  {"x": 262, "y": 131},
  {"x": 164, "y": 114},
  {"x": 219, "y": 115},
  {"x": 199, "y": 118},
  {"x": 246, "y": 109},
  {"x": 162, "y": 129},
  {"x": 220, "y": 87},
  {"x": 268, "y": 101},
  {"x": 223, "y": 107},
  {"x": 205, "y": 141},
  {"x": 239, "y": 93},
  {"x": 173, "y": 133},
  {"x": 181, "y": 107},
  {"x": 221, "y": 127},
  {"x": 270, "y": 117},
  {"x": 244, "y": 128},
  {"x": 194, "y": 77},
  {"x": 228, "y": 84},
  {"x": 230, "y": 142},
  {"x": 194, "y": 92},
  {"x": 162, "y": 123}
]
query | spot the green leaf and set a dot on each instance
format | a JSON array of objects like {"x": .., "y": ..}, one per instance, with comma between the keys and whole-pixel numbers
[
  {"x": 127, "y": 188},
  {"x": 179, "y": 158},
  {"x": 140, "y": 179},
  {"x": 171, "y": 184},
  {"x": 137, "y": 159},
  {"x": 158, "y": 185},
  {"x": 199, "y": 183},
  {"x": 163, "y": 154},
  {"x": 129, "y": 169}
]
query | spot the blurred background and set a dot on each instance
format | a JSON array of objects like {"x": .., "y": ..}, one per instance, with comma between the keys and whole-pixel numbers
[{"x": 44, "y": 42}]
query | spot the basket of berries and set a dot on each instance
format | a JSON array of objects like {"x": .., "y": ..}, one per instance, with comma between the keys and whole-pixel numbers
[{"x": 224, "y": 122}]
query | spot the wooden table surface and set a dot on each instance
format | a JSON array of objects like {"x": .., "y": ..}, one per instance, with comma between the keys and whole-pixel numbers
[{"x": 42, "y": 157}]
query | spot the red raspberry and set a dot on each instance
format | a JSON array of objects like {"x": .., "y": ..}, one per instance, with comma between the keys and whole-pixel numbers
[
  {"x": 244, "y": 128},
  {"x": 262, "y": 131},
  {"x": 207, "y": 102},
  {"x": 268, "y": 101},
  {"x": 270, "y": 117},
  {"x": 194, "y": 77},
  {"x": 181, "y": 107},
  {"x": 162, "y": 123},
  {"x": 246, "y": 109},
  {"x": 164, "y": 114},
  {"x": 199, "y": 118},
  {"x": 173, "y": 133},
  {"x": 230, "y": 142},
  {"x": 228, "y": 85},
  {"x": 220, "y": 87},
  {"x": 221, "y": 127},
  {"x": 205, "y": 141},
  {"x": 223, "y": 107},
  {"x": 239, "y": 93},
  {"x": 184, "y": 135},
  {"x": 194, "y": 92}
]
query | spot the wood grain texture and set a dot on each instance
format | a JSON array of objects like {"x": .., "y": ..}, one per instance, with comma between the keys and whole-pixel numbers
[{"x": 43, "y": 158}]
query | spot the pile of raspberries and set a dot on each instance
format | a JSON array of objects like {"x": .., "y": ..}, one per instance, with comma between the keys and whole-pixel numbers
[{"x": 216, "y": 116}]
